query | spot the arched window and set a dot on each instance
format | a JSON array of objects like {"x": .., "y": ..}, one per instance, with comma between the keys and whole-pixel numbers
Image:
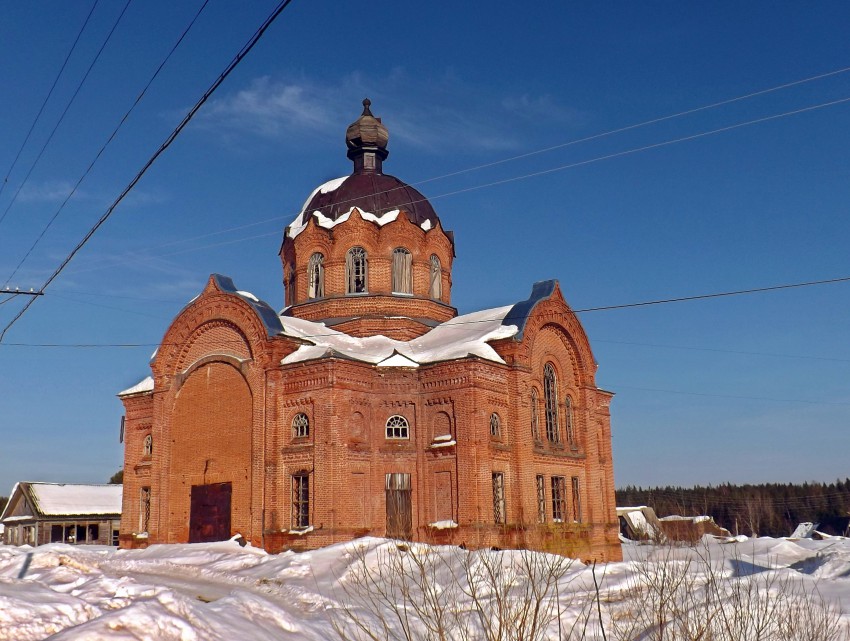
[
  {"x": 300, "y": 426},
  {"x": 316, "y": 276},
  {"x": 435, "y": 288},
  {"x": 402, "y": 271},
  {"x": 550, "y": 400},
  {"x": 568, "y": 417},
  {"x": 397, "y": 427},
  {"x": 495, "y": 426},
  {"x": 147, "y": 449},
  {"x": 356, "y": 271},
  {"x": 535, "y": 417}
]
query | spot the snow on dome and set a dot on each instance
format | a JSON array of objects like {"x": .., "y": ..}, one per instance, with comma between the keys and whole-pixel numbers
[
  {"x": 65, "y": 499},
  {"x": 459, "y": 337},
  {"x": 300, "y": 223},
  {"x": 145, "y": 385},
  {"x": 248, "y": 295}
]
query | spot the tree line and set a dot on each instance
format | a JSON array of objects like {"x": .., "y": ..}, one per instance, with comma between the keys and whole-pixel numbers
[{"x": 768, "y": 509}]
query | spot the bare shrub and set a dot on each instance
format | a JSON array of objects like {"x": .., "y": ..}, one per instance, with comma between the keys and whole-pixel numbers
[{"x": 410, "y": 592}]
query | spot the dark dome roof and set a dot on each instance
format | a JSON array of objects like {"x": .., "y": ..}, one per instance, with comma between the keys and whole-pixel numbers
[
  {"x": 373, "y": 193},
  {"x": 368, "y": 188}
]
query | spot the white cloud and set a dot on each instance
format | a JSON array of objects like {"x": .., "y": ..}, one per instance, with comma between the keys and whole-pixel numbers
[
  {"x": 430, "y": 113},
  {"x": 50, "y": 191}
]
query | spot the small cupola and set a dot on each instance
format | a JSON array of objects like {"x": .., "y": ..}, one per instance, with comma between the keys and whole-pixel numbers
[{"x": 366, "y": 139}]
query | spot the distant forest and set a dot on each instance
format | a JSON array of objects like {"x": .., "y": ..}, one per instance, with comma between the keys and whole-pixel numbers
[{"x": 771, "y": 509}]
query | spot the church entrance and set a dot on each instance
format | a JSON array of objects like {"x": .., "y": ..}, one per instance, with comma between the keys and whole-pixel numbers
[
  {"x": 209, "y": 514},
  {"x": 399, "y": 510}
]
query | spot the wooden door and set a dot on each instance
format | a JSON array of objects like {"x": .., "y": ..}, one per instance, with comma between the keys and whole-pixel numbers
[
  {"x": 399, "y": 509},
  {"x": 209, "y": 513}
]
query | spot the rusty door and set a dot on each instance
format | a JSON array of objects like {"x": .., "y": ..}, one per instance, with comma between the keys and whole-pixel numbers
[
  {"x": 209, "y": 513},
  {"x": 399, "y": 509}
]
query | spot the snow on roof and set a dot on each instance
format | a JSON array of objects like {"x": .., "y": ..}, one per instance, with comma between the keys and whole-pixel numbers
[
  {"x": 145, "y": 385},
  {"x": 300, "y": 223},
  {"x": 459, "y": 337},
  {"x": 60, "y": 499}
]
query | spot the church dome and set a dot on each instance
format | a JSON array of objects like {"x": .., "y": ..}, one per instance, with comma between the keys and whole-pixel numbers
[
  {"x": 368, "y": 188},
  {"x": 372, "y": 193}
]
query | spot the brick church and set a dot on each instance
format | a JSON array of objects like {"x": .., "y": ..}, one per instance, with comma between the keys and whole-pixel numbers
[{"x": 368, "y": 406}]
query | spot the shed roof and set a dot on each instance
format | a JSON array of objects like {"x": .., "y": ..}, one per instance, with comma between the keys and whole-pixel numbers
[{"x": 70, "y": 499}]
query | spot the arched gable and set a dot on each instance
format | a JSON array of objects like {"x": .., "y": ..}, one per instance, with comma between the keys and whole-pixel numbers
[
  {"x": 221, "y": 320},
  {"x": 545, "y": 313}
]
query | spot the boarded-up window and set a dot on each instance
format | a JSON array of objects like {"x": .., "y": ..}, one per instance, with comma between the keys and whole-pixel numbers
[
  {"x": 144, "y": 509},
  {"x": 356, "y": 271},
  {"x": 443, "y": 501},
  {"x": 498, "y": 497},
  {"x": 541, "y": 499},
  {"x": 435, "y": 286},
  {"x": 402, "y": 276},
  {"x": 559, "y": 498},
  {"x": 316, "y": 276},
  {"x": 576, "y": 500},
  {"x": 399, "y": 508}
]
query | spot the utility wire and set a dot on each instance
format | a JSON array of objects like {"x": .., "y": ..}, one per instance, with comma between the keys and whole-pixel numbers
[
  {"x": 47, "y": 98},
  {"x": 740, "y": 398},
  {"x": 107, "y": 143},
  {"x": 508, "y": 317},
  {"x": 543, "y": 172},
  {"x": 645, "y": 123},
  {"x": 252, "y": 41},
  {"x": 65, "y": 111},
  {"x": 723, "y": 351},
  {"x": 531, "y": 153}
]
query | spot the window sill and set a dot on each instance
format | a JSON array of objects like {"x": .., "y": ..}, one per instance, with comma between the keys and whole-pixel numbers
[{"x": 301, "y": 531}]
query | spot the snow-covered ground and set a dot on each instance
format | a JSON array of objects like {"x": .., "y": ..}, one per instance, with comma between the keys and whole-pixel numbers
[{"x": 221, "y": 591}]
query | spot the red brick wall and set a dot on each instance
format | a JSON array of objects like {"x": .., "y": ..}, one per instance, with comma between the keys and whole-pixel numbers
[
  {"x": 379, "y": 243},
  {"x": 223, "y": 411}
]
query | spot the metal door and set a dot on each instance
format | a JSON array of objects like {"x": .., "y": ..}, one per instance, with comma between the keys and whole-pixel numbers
[
  {"x": 399, "y": 510},
  {"x": 209, "y": 514}
]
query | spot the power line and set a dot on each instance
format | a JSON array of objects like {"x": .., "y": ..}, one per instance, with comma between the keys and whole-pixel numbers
[
  {"x": 573, "y": 165},
  {"x": 730, "y": 396},
  {"x": 108, "y": 141},
  {"x": 724, "y": 351},
  {"x": 168, "y": 141},
  {"x": 527, "y": 154},
  {"x": 662, "y": 301},
  {"x": 65, "y": 111},
  {"x": 46, "y": 99},
  {"x": 737, "y": 292},
  {"x": 639, "y": 125}
]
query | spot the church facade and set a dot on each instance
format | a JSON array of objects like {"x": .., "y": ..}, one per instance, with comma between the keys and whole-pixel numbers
[{"x": 368, "y": 406}]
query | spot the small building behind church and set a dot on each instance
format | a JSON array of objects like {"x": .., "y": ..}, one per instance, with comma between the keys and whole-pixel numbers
[
  {"x": 368, "y": 406},
  {"x": 39, "y": 513}
]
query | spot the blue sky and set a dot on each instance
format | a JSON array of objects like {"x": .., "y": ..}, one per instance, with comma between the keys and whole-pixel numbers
[{"x": 742, "y": 389}]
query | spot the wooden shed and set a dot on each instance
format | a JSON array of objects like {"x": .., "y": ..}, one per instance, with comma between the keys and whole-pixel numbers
[{"x": 39, "y": 513}]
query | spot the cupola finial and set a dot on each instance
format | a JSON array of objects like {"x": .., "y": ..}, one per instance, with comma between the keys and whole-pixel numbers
[{"x": 366, "y": 139}]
